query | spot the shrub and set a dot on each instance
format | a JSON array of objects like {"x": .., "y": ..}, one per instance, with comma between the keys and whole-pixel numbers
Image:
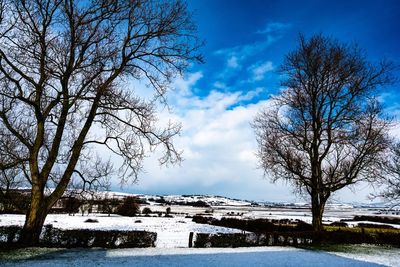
[
  {"x": 91, "y": 221},
  {"x": 108, "y": 205},
  {"x": 371, "y": 225},
  {"x": 303, "y": 226},
  {"x": 14, "y": 201},
  {"x": 380, "y": 219},
  {"x": 146, "y": 211},
  {"x": 203, "y": 220},
  {"x": 71, "y": 204},
  {"x": 339, "y": 224},
  {"x": 200, "y": 203},
  {"x": 129, "y": 207}
]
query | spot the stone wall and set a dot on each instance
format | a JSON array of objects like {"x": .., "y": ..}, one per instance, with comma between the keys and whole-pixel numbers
[
  {"x": 294, "y": 239},
  {"x": 53, "y": 237}
]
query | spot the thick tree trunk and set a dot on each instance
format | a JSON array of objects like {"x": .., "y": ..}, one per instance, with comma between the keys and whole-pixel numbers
[
  {"x": 35, "y": 218},
  {"x": 33, "y": 227},
  {"x": 317, "y": 210}
]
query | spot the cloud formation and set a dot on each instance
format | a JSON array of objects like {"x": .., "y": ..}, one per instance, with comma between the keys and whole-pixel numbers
[
  {"x": 218, "y": 143},
  {"x": 237, "y": 57},
  {"x": 219, "y": 147},
  {"x": 274, "y": 27},
  {"x": 259, "y": 70}
]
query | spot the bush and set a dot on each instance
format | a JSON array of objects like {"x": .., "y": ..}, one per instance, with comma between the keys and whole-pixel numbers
[
  {"x": 199, "y": 203},
  {"x": 108, "y": 205},
  {"x": 339, "y": 224},
  {"x": 378, "y": 226},
  {"x": 203, "y": 220},
  {"x": 380, "y": 219},
  {"x": 146, "y": 211},
  {"x": 14, "y": 201},
  {"x": 71, "y": 204},
  {"x": 303, "y": 226},
  {"x": 91, "y": 221},
  {"x": 129, "y": 207}
]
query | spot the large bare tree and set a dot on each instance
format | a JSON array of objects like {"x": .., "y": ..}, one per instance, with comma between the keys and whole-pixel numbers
[
  {"x": 65, "y": 72},
  {"x": 391, "y": 178},
  {"x": 325, "y": 130}
]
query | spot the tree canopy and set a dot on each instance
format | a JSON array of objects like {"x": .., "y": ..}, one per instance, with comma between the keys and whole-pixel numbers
[
  {"x": 325, "y": 130},
  {"x": 65, "y": 68}
]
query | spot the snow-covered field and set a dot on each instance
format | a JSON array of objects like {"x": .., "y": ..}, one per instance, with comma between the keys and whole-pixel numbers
[
  {"x": 384, "y": 255},
  {"x": 174, "y": 232},
  {"x": 171, "y": 232},
  {"x": 154, "y": 257},
  {"x": 173, "y": 235}
]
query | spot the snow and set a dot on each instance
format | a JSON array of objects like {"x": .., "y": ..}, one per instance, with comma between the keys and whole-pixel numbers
[
  {"x": 171, "y": 232},
  {"x": 388, "y": 256},
  {"x": 266, "y": 256},
  {"x": 172, "y": 242}
]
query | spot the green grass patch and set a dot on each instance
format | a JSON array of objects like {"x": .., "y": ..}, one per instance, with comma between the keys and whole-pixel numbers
[
  {"x": 356, "y": 229},
  {"x": 26, "y": 253}
]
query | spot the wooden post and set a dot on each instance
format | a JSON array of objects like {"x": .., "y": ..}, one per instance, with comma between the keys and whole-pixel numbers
[{"x": 190, "y": 239}]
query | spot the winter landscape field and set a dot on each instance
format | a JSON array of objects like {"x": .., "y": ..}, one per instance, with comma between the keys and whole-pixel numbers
[
  {"x": 171, "y": 247},
  {"x": 242, "y": 133}
]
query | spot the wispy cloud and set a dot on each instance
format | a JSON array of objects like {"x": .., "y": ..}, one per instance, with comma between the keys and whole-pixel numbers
[
  {"x": 274, "y": 27},
  {"x": 219, "y": 85},
  {"x": 260, "y": 69},
  {"x": 232, "y": 62},
  {"x": 235, "y": 57}
]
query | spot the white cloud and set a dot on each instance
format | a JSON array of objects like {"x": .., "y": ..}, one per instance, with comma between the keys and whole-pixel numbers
[
  {"x": 274, "y": 27},
  {"x": 219, "y": 85},
  {"x": 232, "y": 62},
  {"x": 218, "y": 143},
  {"x": 260, "y": 69},
  {"x": 237, "y": 54},
  {"x": 219, "y": 148},
  {"x": 235, "y": 57},
  {"x": 184, "y": 86}
]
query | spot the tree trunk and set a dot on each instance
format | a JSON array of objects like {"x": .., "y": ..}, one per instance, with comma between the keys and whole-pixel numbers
[
  {"x": 33, "y": 227},
  {"x": 317, "y": 209},
  {"x": 35, "y": 218}
]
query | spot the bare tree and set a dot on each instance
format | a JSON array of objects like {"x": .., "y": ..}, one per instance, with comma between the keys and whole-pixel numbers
[
  {"x": 10, "y": 181},
  {"x": 64, "y": 70},
  {"x": 325, "y": 130},
  {"x": 391, "y": 179}
]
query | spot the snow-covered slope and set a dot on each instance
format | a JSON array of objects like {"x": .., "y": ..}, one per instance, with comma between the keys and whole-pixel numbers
[{"x": 179, "y": 199}]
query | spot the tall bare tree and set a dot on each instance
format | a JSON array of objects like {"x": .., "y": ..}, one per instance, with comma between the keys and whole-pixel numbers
[
  {"x": 391, "y": 179},
  {"x": 325, "y": 130},
  {"x": 65, "y": 67}
]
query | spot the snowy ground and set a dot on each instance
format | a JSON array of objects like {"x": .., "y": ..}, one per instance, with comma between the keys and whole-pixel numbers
[
  {"x": 171, "y": 232},
  {"x": 172, "y": 240},
  {"x": 266, "y": 256},
  {"x": 384, "y": 255}
]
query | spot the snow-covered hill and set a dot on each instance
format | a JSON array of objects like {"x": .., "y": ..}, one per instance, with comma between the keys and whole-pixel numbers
[{"x": 200, "y": 200}]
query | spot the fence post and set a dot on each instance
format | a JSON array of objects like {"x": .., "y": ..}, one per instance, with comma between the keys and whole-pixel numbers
[{"x": 190, "y": 239}]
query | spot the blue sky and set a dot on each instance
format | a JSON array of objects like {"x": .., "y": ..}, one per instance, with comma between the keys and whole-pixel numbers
[{"x": 246, "y": 42}]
